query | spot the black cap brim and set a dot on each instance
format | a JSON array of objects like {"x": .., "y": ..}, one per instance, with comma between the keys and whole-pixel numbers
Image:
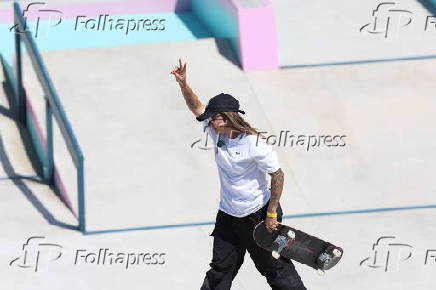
[{"x": 204, "y": 116}]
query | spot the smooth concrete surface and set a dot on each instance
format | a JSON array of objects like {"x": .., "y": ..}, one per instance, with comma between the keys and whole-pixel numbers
[
  {"x": 187, "y": 252},
  {"x": 384, "y": 111},
  {"x": 318, "y": 32},
  {"x": 140, "y": 170},
  {"x": 157, "y": 129},
  {"x": 133, "y": 126}
]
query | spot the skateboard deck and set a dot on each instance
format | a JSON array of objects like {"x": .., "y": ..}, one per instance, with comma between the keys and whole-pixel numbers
[{"x": 291, "y": 243}]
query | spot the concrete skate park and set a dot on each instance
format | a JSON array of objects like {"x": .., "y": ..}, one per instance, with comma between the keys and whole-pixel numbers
[{"x": 100, "y": 154}]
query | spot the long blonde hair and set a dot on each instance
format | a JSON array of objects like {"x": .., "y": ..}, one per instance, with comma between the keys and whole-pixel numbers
[{"x": 239, "y": 124}]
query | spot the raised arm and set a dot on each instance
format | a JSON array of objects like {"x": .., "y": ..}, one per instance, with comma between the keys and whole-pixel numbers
[{"x": 192, "y": 101}]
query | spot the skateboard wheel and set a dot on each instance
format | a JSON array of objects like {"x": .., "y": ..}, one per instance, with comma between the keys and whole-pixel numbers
[
  {"x": 337, "y": 253},
  {"x": 321, "y": 272},
  {"x": 291, "y": 234},
  {"x": 275, "y": 254}
]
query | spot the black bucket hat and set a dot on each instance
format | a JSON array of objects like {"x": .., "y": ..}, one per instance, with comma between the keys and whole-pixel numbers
[{"x": 220, "y": 103}]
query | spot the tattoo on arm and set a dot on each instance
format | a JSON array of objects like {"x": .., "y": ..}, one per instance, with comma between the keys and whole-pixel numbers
[
  {"x": 192, "y": 101},
  {"x": 277, "y": 179}
]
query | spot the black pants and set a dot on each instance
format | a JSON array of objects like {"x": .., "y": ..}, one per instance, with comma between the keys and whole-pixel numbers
[{"x": 232, "y": 237}]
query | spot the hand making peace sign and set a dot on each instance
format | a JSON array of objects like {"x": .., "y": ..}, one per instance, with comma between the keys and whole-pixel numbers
[{"x": 180, "y": 72}]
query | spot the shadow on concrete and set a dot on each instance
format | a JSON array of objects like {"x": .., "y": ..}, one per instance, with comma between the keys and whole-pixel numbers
[
  {"x": 194, "y": 25},
  {"x": 25, "y": 137},
  {"x": 183, "y": 6},
  {"x": 17, "y": 179},
  {"x": 430, "y": 5},
  {"x": 199, "y": 30},
  {"x": 5, "y": 112},
  {"x": 225, "y": 49}
]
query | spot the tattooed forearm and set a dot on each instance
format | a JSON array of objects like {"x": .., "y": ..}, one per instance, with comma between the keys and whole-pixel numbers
[
  {"x": 277, "y": 179},
  {"x": 192, "y": 101}
]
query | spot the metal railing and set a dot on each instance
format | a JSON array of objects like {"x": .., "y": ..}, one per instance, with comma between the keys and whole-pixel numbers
[{"x": 53, "y": 108}]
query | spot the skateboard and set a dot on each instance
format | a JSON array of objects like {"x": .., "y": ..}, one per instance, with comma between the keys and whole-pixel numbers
[{"x": 293, "y": 244}]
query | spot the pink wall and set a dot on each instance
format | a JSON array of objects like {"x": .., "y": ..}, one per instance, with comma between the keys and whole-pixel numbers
[
  {"x": 258, "y": 38},
  {"x": 252, "y": 30}
]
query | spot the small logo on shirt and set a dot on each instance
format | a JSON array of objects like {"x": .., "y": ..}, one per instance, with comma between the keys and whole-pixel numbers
[
  {"x": 238, "y": 152},
  {"x": 220, "y": 143}
]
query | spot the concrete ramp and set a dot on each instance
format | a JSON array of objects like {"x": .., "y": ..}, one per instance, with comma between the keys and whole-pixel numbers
[
  {"x": 24, "y": 197},
  {"x": 136, "y": 132},
  {"x": 147, "y": 165},
  {"x": 382, "y": 110},
  {"x": 143, "y": 147},
  {"x": 322, "y": 32}
]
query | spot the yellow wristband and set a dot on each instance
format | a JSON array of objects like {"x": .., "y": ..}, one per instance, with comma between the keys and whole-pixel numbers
[{"x": 271, "y": 214}]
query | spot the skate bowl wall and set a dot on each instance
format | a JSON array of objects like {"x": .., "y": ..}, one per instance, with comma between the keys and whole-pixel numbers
[
  {"x": 250, "y": 26},
  {"x": 89, "y": 25}
]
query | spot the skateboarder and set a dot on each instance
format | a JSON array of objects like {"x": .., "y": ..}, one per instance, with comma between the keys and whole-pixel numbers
[{"x": 243, "y": 158}]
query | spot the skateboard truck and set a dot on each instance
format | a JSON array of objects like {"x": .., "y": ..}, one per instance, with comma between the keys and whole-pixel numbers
[
  {"x": 276, "y": 254},
  {"x": 326, "y": 258}
]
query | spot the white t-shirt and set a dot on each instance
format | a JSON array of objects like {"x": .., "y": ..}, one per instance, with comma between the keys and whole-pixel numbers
[{"x": 242, "y": 166}]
